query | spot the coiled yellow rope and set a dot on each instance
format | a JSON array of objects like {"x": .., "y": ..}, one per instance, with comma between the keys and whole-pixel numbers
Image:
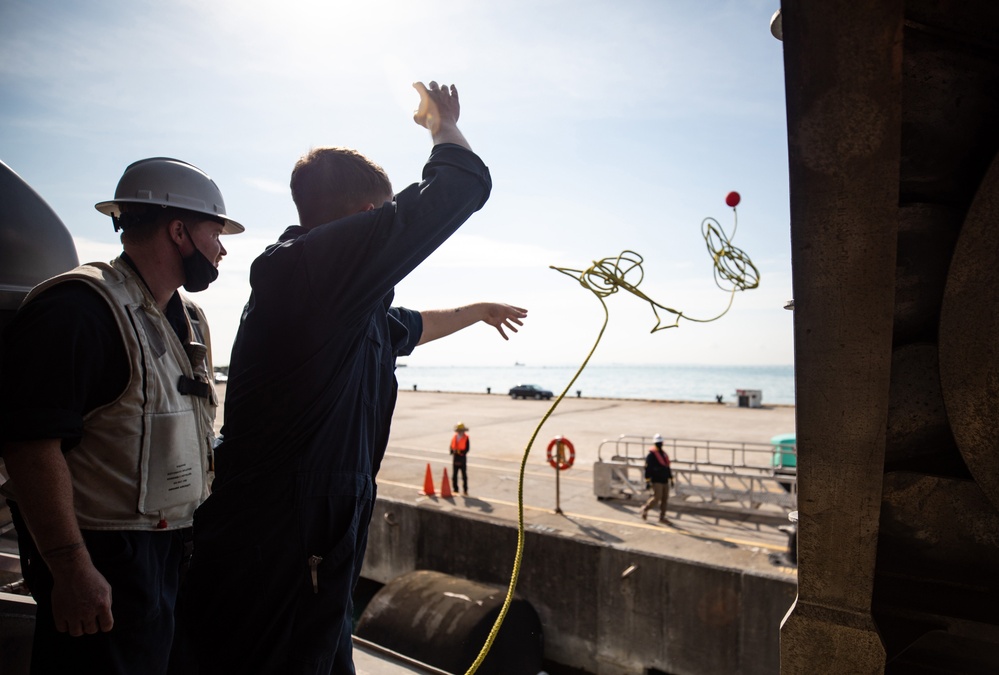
[{"x": 605, "y": 277}]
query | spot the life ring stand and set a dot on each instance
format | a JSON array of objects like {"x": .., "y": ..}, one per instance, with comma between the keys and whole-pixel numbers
[{"x": 560, "y": 461}]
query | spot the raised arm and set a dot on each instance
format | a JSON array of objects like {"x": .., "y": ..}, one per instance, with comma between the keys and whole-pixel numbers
[
  {"x": 438, "y": 112},
  {"x": 438, "y": 323}
]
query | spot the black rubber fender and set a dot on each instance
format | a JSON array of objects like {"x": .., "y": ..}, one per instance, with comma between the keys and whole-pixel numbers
[{"x": 444, "y": 621}]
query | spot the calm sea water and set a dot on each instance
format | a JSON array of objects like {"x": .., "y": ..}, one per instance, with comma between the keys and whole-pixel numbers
[{"x": 658, "y": 382}]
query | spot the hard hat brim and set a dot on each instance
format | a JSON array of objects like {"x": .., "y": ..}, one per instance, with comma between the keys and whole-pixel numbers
[{"x": 110, "y": 208}]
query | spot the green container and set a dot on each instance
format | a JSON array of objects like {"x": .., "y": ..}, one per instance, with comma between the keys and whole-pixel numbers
[{"x": 785, "y": 449}]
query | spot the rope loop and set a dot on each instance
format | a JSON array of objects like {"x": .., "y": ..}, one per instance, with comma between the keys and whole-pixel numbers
[
  {"x": 604, "y": 278},
  {"x": 731, "y": 264}
]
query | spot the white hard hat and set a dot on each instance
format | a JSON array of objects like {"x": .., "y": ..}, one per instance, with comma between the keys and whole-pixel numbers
[
  {"x": 164, "y": 181},
  {"x": 657, "y": 439}
]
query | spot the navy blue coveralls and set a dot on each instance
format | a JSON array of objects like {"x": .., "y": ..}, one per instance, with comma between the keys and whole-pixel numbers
[{"x": 310, "y": 395}]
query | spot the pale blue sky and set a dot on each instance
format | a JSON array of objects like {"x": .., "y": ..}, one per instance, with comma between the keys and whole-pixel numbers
[{"x": 606, "y": 125}]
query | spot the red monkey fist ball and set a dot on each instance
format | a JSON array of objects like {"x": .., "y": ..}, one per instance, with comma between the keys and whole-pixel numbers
[{"x": 732, "y": 199}]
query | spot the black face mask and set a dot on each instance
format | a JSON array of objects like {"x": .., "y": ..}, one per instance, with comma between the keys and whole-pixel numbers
[{"x": 199, "y": 271}]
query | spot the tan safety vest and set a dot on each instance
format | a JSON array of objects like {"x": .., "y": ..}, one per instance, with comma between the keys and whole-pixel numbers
[{"x": 142, "y": 462}]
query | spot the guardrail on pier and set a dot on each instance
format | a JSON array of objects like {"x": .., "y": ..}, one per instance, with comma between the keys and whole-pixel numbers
[{"x": 725, "y": 479}]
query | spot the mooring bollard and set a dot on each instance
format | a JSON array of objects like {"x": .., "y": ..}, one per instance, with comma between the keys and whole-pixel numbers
[
  {"x": 414, "y": 387},
  {"x": 579, "y": 392},
  {"x": 489, "y": 390}
]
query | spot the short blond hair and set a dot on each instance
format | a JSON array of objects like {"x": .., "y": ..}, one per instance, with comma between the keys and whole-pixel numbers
[{"x": 329, "y": 183}]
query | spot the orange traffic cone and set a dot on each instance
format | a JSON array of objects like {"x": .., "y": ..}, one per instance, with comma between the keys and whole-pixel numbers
[
  {"x": 445, "y": 486},
  {"x": 428, "y": 483}
]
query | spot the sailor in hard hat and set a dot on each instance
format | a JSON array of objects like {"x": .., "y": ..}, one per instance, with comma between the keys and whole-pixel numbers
[
  {"x": 460, "y": 445},
  {"x": 108, "y": 410}
]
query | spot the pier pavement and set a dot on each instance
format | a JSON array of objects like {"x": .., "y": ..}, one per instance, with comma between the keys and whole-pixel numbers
[{"x": 500, "y": 429}]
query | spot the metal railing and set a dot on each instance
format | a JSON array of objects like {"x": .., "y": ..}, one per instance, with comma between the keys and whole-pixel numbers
[{"x": 740, "y": 478}]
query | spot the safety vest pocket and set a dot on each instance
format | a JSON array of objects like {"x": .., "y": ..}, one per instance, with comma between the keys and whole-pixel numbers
[{"x": 171, "y": 468}]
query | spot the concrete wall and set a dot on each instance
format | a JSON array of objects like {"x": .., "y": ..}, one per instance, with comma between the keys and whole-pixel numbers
[
  {"x": 894, "y": 190},
  {"x": 669, "y": 615}
]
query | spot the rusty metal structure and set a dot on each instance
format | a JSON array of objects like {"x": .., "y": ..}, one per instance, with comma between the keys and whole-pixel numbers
[{"x": 893, "y": 130}]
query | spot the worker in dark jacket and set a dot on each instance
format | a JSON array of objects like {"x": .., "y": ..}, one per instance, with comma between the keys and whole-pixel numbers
[
  {"x": 660, "y": 476},
  {"x": 460, "y": 445},
  {"x": 280, "y": 542}
]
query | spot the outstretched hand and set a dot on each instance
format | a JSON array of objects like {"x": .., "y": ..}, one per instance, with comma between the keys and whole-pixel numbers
[
  {"x": 437, "y": 104},
  {"x": 501, "y": 316},
  {"x": 438, "y": 323},
  {"x": 438, "y": 112}
]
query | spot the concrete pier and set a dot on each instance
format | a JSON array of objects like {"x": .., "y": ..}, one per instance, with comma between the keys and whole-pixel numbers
[{"x": 616, "y": 594}]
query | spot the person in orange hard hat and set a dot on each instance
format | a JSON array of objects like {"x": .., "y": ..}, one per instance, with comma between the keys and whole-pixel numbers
[{"x": 460, "y": 445}]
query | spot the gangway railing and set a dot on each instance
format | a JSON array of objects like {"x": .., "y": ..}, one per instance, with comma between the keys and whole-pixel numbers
[{"x": 743, "y": 480}]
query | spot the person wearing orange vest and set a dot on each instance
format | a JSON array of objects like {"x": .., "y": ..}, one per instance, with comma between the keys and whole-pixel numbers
[{"x": 460, "y": 445}]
